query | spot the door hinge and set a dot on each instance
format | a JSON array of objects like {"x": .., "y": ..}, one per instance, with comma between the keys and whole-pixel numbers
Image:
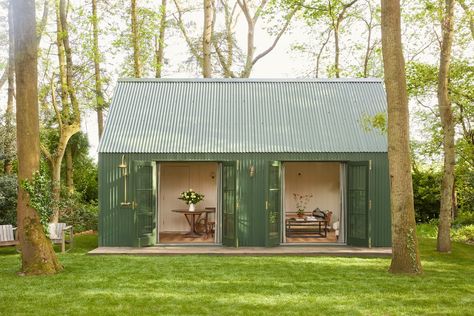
[
  {"x": 134, "y": 205},
  {"x": 370, "y": 204},
  {"x": 370, "y": 165},
  {"x": 266, "y": 205}
]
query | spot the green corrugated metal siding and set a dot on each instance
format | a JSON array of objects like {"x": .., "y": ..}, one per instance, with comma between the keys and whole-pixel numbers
[
  {"x": 116, "y": 224},
  {"x": 243, "y": 116}
]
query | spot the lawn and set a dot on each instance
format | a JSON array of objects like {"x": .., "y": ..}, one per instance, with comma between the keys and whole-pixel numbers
[{"x": 176, "y": 285}]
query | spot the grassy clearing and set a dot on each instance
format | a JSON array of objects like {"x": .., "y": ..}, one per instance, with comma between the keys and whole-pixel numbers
[{"x": 109, "y": 285}]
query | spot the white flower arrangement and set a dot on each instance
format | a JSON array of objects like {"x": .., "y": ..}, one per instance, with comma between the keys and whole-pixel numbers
[{"x": 191, "y": 197}]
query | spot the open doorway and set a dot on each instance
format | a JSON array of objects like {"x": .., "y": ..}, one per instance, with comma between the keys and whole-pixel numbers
[
  {"x": 316, "y": 189},
  {"x": 176, "y": 225}
]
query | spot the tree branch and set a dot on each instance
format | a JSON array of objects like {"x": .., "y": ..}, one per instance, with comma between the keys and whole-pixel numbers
[
  {"x": 222, "y": 61},
  {"x": 44, "y": 20},
  {"x": 469, "y": 14},
  {"x": 179, "y": 21},
  {"x": 277, "y": 38},
  {"x": 4, "y": 77},
  {"x": 55, "y": 105}
]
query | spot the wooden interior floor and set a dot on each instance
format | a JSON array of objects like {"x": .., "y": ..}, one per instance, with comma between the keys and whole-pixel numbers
[
  {"x": 331, "y": 238},
  {"x": 179, "y": 238}
]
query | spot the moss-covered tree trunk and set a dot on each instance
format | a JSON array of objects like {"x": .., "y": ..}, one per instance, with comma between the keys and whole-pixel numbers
[
  {"x": 37, "y": 255},
  {"x": 405, "y": 254},
  {"x": 447, "y": 123}
]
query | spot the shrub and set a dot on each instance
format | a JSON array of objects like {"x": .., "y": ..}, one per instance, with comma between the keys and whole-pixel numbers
[
  {"x": 426, "y": 193},
  {"x": 464, "y": 234},
  {"x": 464, "y": 218},
  {"x": 8, "y": 199},
  {"x": 82, "y": 216}
]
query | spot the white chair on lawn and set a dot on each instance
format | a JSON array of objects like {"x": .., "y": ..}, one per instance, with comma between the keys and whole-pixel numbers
[
  {"x": 8, "y": 236},
  {"x": 57, "y": 234}
]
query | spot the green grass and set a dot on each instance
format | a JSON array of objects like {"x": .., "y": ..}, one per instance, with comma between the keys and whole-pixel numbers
[{"x": 176, "y": 285}]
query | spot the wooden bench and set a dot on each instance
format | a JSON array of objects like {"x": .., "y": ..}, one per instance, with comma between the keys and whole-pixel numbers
[{"x": 8, "y": 236}]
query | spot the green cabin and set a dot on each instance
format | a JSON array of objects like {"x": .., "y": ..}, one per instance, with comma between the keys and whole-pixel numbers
[{"x": 258, "y": 149}]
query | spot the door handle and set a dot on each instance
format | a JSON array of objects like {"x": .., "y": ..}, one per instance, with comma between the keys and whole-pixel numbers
[{"x": 266, "y": 205}]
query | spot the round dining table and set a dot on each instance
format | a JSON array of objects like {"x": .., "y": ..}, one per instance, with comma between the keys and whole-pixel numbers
[{"x": 192, "y": 217}]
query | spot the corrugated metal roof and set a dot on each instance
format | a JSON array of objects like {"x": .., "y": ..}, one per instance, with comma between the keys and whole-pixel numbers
[{"x": 243, "y": 115}]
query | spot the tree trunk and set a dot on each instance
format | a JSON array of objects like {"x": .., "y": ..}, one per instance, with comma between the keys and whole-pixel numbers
[
  {"x": 206, "y": 39},
  {"x": 37, "y": 254},
  {"x": 367, "y": 52},
  {"x": 405, "y": 257},
  {"x": 76, "y": 115},
  {"x": 55, "y": 189},
  {"x": 9, "y": 127},
  {"x": 447, "y": 123},
  {"x": 55, "y": 160},
  {"x": 62, "y": 66},
  {"x": 161, "y": 41},
  {"x": 69, "y": 118},
  {"x": 99, "y": 96},
  {"x": 135, "y": 41},
  {"x": 69, "y": 170},
  {"x": 337, "y": 51}
]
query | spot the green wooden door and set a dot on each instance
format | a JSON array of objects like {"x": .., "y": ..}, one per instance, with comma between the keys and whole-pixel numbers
[
  {"x": 229, "y": 204},
  {"x": 358, "y": 204},
  {"x": 144, "y": 204},
  {"x": 273, "y": 204}
]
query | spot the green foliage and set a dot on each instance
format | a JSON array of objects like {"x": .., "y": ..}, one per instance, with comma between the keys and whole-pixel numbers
[
  {"x": 375, "y": 122},
  {"x": 85, "y": 169},
  {"x": 426, "y": 193},
  {"x": 39, "y": 189},
  {"x": 8, "y": 199},
  {"x": 427, "y": 230},
  {"x": 464, "y": 218},
  {"x": 464, "y": 234},
  {"x": 82, "y": 216}
]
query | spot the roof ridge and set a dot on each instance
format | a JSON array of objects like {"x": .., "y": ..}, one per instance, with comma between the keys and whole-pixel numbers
[{"x": 321, "y": 80}]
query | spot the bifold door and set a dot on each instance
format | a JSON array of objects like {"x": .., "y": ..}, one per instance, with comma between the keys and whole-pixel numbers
[
  {"x": 358, "y": 203},
  {"x": 273, "y": 204},
  {"x": 229, "y": 204},
  {"x": 144, "y": 202}
]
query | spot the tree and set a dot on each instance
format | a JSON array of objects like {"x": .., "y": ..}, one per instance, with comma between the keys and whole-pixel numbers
[
  {"x": 226, "y": 52},
  {"x": 160, "y": 41},
  {"x": 135, "y": 40},
  {"x": 447, "y": 123},
  {"x": 69, "y": 117},
  {"x": 100, "y": 103},
  {"x": 207, "y": 37},
  {"x": 9, "y": 128},
  {"x": 405, "y": 257},
  {"x": 335, "y": 12},
  {"x": 37, "y": 254}
]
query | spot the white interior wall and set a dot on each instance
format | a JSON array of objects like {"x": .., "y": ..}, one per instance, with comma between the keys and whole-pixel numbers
[
  {"x": 178, "y": 177},
  {"x": 321, "y": 179}
]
